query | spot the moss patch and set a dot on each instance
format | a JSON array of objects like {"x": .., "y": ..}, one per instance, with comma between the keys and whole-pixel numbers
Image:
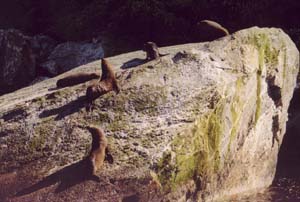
[
  {"x": 196, "y": 151},
  {"x": 236, "y": 109},
  {"x": 41, "y": 134},
  {"x": 258, "y": 98},
  {"x": 267, "y": 56},
  {"x": 37, "y": 142}
]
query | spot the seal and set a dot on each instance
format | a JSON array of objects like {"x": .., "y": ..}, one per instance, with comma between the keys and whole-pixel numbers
[
  {"x": 210, "y": 30},
  {"x": 98, "y": 150},
  {"x": 106, "y": 84},
  {"x": 75, "y": 79},
  {"x": 108, "y": 75},
  {"x": 151, "y": 50}
]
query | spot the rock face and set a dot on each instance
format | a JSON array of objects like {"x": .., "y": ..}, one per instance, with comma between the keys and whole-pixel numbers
[
  {"x": 201, "y": 124},
  {"x": 42, "y": 46},
  {"x": 24, "y": 58},
  {"x": 17, "y": 61},
  {"x": 68, "y": 55}
]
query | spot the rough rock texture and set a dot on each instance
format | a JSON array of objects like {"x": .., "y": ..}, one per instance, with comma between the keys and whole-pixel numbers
[
  {"x": 68, "y": 55},
  {"x": 24, "y": 58},
  {"x": 17, "y": 62},
  {"x": 202, "y": 123}
]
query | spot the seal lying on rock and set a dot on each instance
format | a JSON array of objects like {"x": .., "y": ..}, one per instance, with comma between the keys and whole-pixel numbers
[
  {"x": 210, "y": 30},
  {"x": 151, "y": 50},
  {"x": 106, "y": 84},
  {"x": 75, "y": 79}
]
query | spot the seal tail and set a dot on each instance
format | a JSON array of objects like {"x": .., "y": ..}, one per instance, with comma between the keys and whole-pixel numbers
[{"x": 161, "y": 55}]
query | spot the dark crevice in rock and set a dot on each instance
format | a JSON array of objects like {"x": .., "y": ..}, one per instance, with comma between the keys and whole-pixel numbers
[
  {"x": 188, "y": 195},
  {"x": 274, "y": 91},
  {"x": 6, "y": 133},
  {"x": 131, "y": 198},
  {"x": 241, "y": 137},
  {"x": 199, "y": 187},
  {"x": 275, "y": 129},
  {"x": 2, "y": 134}
]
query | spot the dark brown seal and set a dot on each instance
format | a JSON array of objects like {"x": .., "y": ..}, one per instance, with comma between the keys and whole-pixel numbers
[
  {"x": 75, "y": 79},
  {"x": 208, "y": 30},
  {"x": 151, "y": 50},
  {"x": 106, "y": 84},
  {"x": 98, "y": 150}
]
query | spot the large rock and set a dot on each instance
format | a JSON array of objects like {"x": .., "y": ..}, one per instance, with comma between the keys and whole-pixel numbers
[
  {"x": 68, "y": 55},
  {"x": 17, "y": 61},
  {"x": 201, "y": 124},
  {"x": 23, "y": 58},
  {"x": 42, "y": 47}
]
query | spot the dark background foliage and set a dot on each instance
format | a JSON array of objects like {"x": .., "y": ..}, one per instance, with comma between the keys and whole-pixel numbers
[{"x": 126, "y": 24}]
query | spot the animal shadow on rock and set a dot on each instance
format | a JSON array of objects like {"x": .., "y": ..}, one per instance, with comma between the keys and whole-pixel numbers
[
  {"x": 65, "y": 110},
  {"x": 133, "y": 63},
  {"x": 66, "y": 177}
]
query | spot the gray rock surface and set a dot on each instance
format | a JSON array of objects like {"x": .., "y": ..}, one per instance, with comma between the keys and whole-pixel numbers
[
  {"x": 201, "y": 124},
  {"x": 17, "y": 61},
  {"x": 68, "y": 55}
]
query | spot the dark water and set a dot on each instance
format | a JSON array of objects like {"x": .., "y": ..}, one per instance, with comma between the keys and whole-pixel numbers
[
  {"x": 282, "y": 190},
  {"x": 286, "y": 185}
]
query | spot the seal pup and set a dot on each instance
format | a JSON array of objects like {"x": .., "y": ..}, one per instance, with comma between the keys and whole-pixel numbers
[
  {"x": 75, "y": 79},
  {"x": 106, "y": 84},
  {"x": 152, "y": 52}
]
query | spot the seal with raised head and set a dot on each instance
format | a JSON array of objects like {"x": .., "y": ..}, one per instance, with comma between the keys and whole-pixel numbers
[
  {"x": 106, "y": 84},
  {"x": 151, "y": 50},
  {"x": 75, "y": 79}
]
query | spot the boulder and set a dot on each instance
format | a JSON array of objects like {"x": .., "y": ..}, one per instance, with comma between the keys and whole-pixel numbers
[
  {"x": 201, "y": 124},
  {"x": 17, "y": 61},
  {"x": 42, "y": 46},
  {"x": 68, "y": 55}
]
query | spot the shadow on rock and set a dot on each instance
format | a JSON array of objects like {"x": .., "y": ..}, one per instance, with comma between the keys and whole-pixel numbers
[
  {"x": 15, "y": 114},
  {"x": 133, "y": 63},
  {"x": 66, "y": 177},
  {"x": 65, "y": 110}
]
